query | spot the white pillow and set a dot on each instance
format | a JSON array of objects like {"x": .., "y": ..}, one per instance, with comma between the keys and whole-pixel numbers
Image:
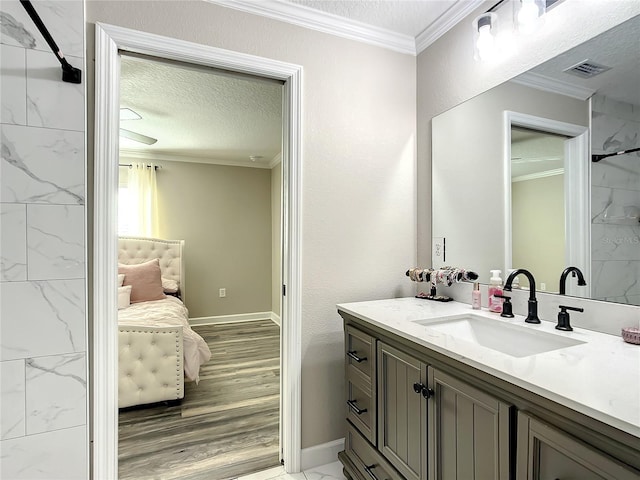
[
  {"x": 124, "y": 297},
  {"x": 169, "y": 286},
  {"x": 120, "y": 279}
]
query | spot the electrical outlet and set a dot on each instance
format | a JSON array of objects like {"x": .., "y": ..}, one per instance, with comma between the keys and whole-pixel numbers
[
  {"x": 543, "y": 286},
  {"x": 223, "y": 292}
]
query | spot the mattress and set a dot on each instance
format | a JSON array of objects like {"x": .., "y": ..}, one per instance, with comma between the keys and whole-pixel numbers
[{"x": 170, "y": 312}]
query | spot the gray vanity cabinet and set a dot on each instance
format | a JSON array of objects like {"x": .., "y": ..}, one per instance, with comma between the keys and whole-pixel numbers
[
  {"x": 402, "y": 411},
  {"x": 470, "y": 431},
  {"x": 547, "y": 453}
]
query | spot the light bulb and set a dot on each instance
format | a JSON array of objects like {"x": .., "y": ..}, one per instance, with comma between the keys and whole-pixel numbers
[
  {"x": 528, "y": 15},
  {"x": 485, "y": 43}
]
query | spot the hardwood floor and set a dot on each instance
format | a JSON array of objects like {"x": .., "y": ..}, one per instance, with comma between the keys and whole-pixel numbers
[{"x": 226, "y": 426}]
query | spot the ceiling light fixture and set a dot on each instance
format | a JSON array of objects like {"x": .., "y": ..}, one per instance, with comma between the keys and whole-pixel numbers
[{"x": 253, "y": 158}]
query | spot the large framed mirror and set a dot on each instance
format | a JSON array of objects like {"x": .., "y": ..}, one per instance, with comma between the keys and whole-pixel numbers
[{"x": 514, "y": 184}]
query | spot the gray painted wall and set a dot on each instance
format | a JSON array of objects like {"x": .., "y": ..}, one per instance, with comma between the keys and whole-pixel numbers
[{"x": 223, "y": 214}]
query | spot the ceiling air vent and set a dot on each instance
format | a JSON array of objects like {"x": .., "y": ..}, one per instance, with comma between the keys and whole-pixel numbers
[{"x": 587, "y": 69}]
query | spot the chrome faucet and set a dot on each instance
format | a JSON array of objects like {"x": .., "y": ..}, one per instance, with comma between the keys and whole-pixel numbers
[
  {"x": 563, "y": 278},
  {"x": 532, "y": 308}
]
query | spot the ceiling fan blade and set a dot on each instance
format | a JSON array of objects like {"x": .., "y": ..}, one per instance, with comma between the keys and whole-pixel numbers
[{"x": 138, "y": 137}]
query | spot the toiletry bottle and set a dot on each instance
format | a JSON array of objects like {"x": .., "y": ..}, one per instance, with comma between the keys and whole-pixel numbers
[
  {"x": 476, "y": 299},
  {"x": 495, "y": 288}
]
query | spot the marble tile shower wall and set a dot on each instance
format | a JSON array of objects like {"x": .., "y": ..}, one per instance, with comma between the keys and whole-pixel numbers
[
  {"x": 43, "y": 321},
  {"x": 615, "y": 201}
]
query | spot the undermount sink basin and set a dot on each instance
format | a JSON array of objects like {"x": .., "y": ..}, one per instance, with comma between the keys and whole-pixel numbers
[{"x": 514, "y": 340}]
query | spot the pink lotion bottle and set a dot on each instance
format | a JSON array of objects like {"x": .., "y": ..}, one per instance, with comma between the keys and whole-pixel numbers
[
  {"x": 495, "y": 288},
  {"x": 476, "y": 298}
]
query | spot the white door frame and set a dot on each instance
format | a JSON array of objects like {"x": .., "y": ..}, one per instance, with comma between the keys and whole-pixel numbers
[
  {"x": 577, "y": 188},
  {"x": 109, "y": 41}
]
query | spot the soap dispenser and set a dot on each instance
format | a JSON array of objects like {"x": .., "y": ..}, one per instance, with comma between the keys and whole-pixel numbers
[{"x": 495, "y": 288}]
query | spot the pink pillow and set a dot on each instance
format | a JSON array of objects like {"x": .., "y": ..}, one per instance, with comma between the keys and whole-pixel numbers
[{"x": 145, "y": 280}]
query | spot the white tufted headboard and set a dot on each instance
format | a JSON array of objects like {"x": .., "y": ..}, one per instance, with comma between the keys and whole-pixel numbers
[{"x": 170, "y": 253}]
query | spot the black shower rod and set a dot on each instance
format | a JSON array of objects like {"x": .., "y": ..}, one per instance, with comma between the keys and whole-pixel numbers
[
  {"x": 597, "y": 158},
  {"x": 69, "y": 74}
]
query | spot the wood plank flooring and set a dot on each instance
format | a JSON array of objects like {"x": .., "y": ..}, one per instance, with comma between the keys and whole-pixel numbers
[{"x": 226, "y": 426}]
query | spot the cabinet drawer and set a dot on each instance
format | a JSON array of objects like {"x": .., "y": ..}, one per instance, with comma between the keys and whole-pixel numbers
[
  {"x": 360, "y": 353},
  {"x": 369, "y": 462},
  {"x": 361, "y": 410},
  {"x": 547, "y": 453}
]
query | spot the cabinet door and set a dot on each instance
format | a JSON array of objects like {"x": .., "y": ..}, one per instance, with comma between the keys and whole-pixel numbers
[
  {"x": 546, "y": 453},
  {"x": 402, "y": 412},
  {"x": 470, "y": 432}
]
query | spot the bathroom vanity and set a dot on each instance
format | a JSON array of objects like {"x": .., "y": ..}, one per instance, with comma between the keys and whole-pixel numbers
[{"x": 441, "y": 391}]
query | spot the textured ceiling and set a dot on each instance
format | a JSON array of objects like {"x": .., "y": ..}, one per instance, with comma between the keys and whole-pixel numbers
[
  {"x": 619, "y": 48},
  {"x": 200, "y": 113},
  {"x": 409, "y": 17}
]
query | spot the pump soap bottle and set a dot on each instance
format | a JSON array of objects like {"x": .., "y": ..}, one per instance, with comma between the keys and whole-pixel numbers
[
  {"x": 476, "y": 298},
  {"x": 495, "y": 288}
]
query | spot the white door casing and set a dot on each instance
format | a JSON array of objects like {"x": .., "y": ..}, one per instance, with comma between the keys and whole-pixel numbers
[
  {"x": 109, "y": 41},
  {"x": 576, "y": 186}
]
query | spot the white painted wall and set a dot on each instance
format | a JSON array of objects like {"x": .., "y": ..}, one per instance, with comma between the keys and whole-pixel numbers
[
  {"x": 448, "y": 75},
  {"x": 358, "y": 167},
  {"x": 43, "y": 368}
]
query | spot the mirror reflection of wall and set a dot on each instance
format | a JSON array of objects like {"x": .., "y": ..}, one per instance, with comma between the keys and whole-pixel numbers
[
  {"x": 469, "y": 185},
  {"x": 537, "y": 205},
  {"x": 615, "y": 199}
]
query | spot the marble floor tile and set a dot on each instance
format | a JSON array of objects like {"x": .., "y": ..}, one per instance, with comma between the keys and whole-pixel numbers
[
  {"x": 58, "y": 455},
  {"x": 330, "y": 471},
  {"x": 12, "y": 392},
  {"x": 42, "y": 165},
  {"x": 55, "y": 242},
  {"x": 13, "y": 242},
  {"x": 56, "y": 391},
  {"x": 13, "y": 89},
  {"x": 51, "y": 102},
  {"x": 41, "y": 318}
]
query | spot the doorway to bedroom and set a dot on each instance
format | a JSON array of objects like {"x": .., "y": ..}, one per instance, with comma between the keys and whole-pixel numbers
[{"x": 208, "y": 145}]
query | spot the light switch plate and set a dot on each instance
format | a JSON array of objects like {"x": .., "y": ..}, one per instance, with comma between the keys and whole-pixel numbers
[{"x": 438, "y": 252}]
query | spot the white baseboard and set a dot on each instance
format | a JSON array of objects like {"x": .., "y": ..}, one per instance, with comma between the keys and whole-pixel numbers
[
  {"x": 275, "y": 318},
  {"x": 240, "y": 317},
  {"x": 321, "y": 454}
]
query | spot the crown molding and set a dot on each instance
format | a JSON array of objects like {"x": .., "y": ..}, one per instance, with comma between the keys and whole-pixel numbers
[
  {"x": 541, "y": 82},
  {"x": 445, "y": 22},
  {"x": 324, "y": 22},
  {"x": 535, "y": 176},
  {"x": 150, "y": 156},
  {"x": 275, "y": 160}
]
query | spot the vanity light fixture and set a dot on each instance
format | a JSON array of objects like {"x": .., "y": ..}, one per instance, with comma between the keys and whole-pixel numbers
[
  {"x": 253, "y": 158},
  {"x": 525, "y": 17},
  {"x": 484, "y": 39}
]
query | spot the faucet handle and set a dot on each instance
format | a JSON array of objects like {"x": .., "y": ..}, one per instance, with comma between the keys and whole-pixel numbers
[
  {"x": 507, "y": 308},
  {"x": 563, "y": 317}
]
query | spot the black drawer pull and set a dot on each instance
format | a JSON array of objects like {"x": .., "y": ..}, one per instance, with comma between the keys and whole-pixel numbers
[
  {"x": 369, "y": 470},
  {"x": 354, "y": 407},
  {"x": 355, "y": 357}
]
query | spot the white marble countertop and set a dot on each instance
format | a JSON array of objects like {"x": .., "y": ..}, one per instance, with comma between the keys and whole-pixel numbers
[{"x": 599, "y": 378}]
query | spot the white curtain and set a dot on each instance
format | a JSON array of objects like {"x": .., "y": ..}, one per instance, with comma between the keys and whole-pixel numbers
[{"x": 139, "y": 205}]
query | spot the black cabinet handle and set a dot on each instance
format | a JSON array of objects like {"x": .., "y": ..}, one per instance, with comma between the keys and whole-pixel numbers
[
  {"x": 369, "y": 470},
  {"x": 354, "y": 407},
  {"x": 425, "y": 391},
  {"x": 355, "y": 357}
]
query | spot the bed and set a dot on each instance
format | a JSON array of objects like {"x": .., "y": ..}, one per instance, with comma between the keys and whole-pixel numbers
[{"x": 157, "y": 349}]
